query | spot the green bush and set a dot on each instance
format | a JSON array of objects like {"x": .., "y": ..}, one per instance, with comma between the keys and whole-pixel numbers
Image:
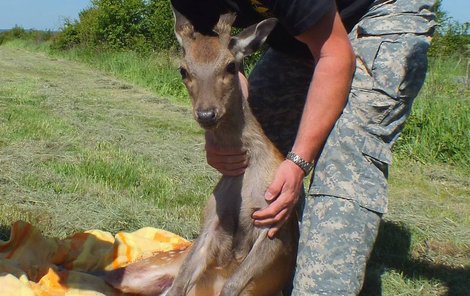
[
  {"x": 88, "y": 27},
  {"x": 160, "y": 20},
  {"x": 137, "y": 25},
  {"x": 20, "y": 33},
  {"x": 67, "y": 38},
  {"x": 451, "y": 37}
]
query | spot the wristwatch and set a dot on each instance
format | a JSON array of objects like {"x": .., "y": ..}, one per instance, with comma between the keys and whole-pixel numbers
[{"x": 304, "y": 165}]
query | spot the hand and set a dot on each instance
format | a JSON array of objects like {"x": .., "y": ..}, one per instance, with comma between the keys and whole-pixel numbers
[
  {"x": 229, "y": 162},
  {"x": 282, "y": 194}
]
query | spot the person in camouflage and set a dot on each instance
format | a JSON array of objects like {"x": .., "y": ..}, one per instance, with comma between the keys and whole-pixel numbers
[
  {"x": 348, "y": 193},
  {"x": 344, "y": 205}
]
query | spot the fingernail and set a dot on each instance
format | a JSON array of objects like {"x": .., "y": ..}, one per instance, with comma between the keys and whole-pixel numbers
[
  {"x": 268, "y": 196},
  {"x": 270, "y": 234}
]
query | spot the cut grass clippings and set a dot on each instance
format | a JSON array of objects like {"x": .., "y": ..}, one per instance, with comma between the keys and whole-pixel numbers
[{"x": 80, "y": 149}]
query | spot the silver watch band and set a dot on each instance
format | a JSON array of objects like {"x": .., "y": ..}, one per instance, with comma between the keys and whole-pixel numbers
[{"x": 304, "y": 165}]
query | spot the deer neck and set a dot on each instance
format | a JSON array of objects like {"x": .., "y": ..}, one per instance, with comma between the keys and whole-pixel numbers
[{"x": 240, "y": 129}]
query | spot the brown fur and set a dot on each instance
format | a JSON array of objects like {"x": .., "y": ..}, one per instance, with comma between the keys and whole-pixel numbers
[
  {"x": 231, "y": 256},
  {"x": 205, "y": 49}
]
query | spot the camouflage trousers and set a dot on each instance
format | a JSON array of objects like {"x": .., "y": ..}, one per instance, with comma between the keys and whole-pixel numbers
[{"x": 347, "y": 195}]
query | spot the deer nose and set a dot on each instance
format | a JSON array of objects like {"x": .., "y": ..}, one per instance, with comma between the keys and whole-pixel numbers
[{"x": 206, "y": 116}]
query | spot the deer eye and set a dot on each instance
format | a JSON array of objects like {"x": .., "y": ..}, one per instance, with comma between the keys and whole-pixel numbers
[
  {"x": 231, "y": 68},
  {"x": 184, "y": 73}
]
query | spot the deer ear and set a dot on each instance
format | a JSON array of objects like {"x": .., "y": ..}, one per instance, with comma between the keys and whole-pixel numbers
[
  {"x": 183, "y": 27},
  {"x": 250, "y": 39}
]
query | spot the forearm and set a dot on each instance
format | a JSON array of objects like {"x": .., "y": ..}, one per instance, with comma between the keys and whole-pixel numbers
[
  {"x": 325, "y": 101},
  {"x": 330, "y": 85},
  {"x": 335, "y": 63}
]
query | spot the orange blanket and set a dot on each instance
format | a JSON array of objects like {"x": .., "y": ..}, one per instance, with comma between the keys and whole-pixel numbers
[{"x": 31, "y": 264}]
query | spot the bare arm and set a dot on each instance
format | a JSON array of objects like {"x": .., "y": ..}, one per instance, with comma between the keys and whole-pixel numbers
[
  {"x": 335, "y": 61},
  {"x": 330, "y": 83}
]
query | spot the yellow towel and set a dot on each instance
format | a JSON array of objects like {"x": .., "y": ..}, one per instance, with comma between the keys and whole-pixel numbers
[{"x": 31, "y": 264}]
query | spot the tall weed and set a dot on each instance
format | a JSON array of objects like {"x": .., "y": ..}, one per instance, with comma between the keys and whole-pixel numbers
[{"x": 438, "y": 129}]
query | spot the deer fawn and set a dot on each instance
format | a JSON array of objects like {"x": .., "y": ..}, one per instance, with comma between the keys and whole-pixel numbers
[{"x": 231, "y": 256}]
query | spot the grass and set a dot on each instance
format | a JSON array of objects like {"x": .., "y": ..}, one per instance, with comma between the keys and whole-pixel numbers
[
  {"x": 424, "y": 242},
  {"x": 101, "y": 147},
  {"x": 156, "y": 72},
  {"x": 430, "y": 136},
  {"x": 438, "y": 130},
  {"x": 81, "y": 149}
]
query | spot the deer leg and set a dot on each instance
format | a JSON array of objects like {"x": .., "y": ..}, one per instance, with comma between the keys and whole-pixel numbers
[
  {"x": 193, "y": 267},
  {"x": 260, "y": 258}
]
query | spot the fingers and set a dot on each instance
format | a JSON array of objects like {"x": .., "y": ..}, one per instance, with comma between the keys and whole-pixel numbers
[
  {"x": 275, "y": 217},
  {"x": 282, "y": 195},
  {"x": 228, "y": 161},
  {"x": 243, "y": 84},
  {"x": 228, "y": 168},
  {"x": 275, "y": 188},
  {"x": 277, "y": 210},
  {"x": 231, "y": 172},
  {"x": 275, "y": 229},
  {"x": 214, "y": 150}
]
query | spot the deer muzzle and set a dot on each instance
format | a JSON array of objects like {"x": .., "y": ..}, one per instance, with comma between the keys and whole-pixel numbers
[{"x": 206, "y": 118}]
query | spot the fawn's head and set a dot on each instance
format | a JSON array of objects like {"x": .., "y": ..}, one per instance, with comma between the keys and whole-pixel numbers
[{"x": 211, "y": 64}]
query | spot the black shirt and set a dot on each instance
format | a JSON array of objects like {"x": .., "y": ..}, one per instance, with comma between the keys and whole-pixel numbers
[{"x": 295, "y": 16}]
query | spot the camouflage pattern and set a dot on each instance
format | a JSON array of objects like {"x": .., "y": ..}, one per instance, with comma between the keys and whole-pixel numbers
[
  {"x": 277, "y": 92},
  {"x": 391, "y": 43},
  {"x": 348, "y": 193},
  {"x": 332, "y": 256}
]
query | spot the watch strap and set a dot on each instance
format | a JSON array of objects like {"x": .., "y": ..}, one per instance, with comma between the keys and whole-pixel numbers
[{"x": 303, "y": 164}]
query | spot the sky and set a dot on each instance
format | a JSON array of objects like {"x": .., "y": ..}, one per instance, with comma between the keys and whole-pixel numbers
[
  {"x": 50, "y": 14},
  {"x": 39, "y": 14}
]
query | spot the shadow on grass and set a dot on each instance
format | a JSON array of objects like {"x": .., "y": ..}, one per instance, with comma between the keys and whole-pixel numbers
[
  {"x": 5, "y": 231},
  {"x": 392, "y": 251}
]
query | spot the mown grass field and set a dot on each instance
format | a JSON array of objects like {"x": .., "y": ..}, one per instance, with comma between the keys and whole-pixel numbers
[{"x": 81, "y": 148}]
